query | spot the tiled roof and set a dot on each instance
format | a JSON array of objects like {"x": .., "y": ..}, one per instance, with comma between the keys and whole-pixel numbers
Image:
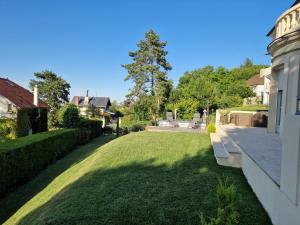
[
  {"x": 95, "y": 101},
  {"x": 256, "y": 80},
  {"x": 18, "y": 95}
]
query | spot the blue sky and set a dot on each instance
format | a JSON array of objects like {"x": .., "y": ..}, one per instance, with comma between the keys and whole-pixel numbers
[{"x": 86, "y": 41}]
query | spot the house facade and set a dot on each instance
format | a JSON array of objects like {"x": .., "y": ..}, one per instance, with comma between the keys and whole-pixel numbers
[
  {"x": 282, "y": 200},
  {"x": 260, "y": 84},
  {"x": 14, "y": 97},
  {"x": 93, "y": 107}
]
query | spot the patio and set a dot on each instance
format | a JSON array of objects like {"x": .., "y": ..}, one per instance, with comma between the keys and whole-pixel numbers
[{"x": 263, "y": 148}]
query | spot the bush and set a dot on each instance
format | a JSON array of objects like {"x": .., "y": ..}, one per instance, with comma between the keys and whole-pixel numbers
[
  {"x": 7, "y": 129},
  {"x": 211, "y": 128},
  {"x": 137, "y": 127},
  {"x": 95, "y": 126},
  {"x": 226, "y": 213},
  {"x": 23, "y": 123},
  {"x": 38, "y": 119},
  {"x": 68, "y": 116},
  {"x": 23, "y": 158},
  {"x": 33, "y": 118}
]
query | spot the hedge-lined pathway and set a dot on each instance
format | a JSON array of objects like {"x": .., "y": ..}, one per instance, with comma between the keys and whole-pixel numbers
[{"x": 12, "y": 202}]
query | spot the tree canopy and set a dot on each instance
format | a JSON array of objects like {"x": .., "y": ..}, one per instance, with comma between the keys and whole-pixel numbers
[
  {"x": 149, "y": 74},
  {"x": 53, "y": 90}
]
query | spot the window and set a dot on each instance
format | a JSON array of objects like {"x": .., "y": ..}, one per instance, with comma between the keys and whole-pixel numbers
[
  {"x": 298, "y": 105},
  {"x": 9, "y": 107}
]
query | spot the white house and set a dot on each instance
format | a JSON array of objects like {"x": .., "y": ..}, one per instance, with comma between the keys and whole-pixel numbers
[
  {"x": 270, "y": 159},
  {"x": 13, "y": 97},
  {"x": 282, "y": 201},
  {"x": 260, "y": 84}
]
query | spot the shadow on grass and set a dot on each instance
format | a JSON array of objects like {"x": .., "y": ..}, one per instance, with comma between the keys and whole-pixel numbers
[
  {"x": 146, "y": 193},
  {"x": 13, "y": 201}
]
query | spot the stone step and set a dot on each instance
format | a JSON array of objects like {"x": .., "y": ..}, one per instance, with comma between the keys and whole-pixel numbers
[
  {"x": 219, "y": 150},
  {"x": 228, "y": 143},
  {"x": 223, "y": 157}
]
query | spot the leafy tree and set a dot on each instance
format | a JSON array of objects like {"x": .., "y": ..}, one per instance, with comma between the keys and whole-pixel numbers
[
  {"x": 53, "y": 90},
  {"x": 210, "y": 88},
  {"x": 148, "y": 72}
]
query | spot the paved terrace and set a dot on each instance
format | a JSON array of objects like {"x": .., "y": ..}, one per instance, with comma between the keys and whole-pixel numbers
[
  {"x": 174, "y": 129},
  {"x": 265, "y": 149}
]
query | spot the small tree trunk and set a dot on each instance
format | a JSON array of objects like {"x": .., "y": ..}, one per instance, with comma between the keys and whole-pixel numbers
[
  {"x": 118, "y": 127},
  {"x": 207, "y": 120}
]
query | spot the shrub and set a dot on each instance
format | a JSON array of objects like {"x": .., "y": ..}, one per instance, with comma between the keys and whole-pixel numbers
[
  {"x": 95, "y": 126},
  {"x": 38, "y": 119},
  {"x": 226, "y": 213},
  {"x": 23, "y": 123},
  {"x": 7, "y": 129},
  {"x": 211, "y": 128},
  {"x": 137, "y": 127},
  {"x": 23, "y": 158},
  {"x": 68, "y": 116}
]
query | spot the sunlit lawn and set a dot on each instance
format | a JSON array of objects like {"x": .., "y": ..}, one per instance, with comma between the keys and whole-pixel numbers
[{"x": 142, "y": 178}]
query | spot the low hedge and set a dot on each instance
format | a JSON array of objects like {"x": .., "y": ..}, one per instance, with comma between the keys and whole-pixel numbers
[{"x": 23, "y": 158}]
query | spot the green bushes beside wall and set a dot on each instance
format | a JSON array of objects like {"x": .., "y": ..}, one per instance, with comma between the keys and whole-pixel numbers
[
  {"x": 23, "y": 123},
  {"x": 7, "y": 129},
  {"x": 35, "y": 118},
  {"x": 22, "y": 158}
]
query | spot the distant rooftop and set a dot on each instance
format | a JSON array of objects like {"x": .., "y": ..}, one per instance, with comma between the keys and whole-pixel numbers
[
  {"x": 18, "y": 95},
  {"x": 256, "y": 80},
  {"x": 102, "y": 102}
]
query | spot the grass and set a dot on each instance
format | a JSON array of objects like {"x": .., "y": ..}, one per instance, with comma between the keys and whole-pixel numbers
[
  {"x": 142, "y": 178},
  {"x": 250, "y": 108}
]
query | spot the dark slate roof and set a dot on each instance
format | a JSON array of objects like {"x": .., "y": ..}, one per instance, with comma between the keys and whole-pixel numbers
[
  {"x": 18, "y": 95},
  {"x": 95, "y": 101}
]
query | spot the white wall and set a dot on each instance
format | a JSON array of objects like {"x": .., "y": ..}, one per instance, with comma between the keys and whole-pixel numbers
[
  {"x": 280, "y": 208},
  {"x": 4, "y": 107}
]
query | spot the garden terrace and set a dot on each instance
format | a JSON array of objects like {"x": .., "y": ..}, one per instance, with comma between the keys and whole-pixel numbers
[{"x": 140, "y": 178}]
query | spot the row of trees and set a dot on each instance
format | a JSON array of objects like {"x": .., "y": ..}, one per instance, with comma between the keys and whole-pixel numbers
[{"x": 207, "y": 88}]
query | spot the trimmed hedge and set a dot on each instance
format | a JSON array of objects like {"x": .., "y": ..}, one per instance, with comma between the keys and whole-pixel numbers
[
  {"x": 23, "y": 123},
  {"x": 94, "y": 126},
  {"x": 23, "y": 158}
]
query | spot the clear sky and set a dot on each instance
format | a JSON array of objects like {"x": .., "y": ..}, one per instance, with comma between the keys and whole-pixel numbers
[{"x": 86, "y": 41}]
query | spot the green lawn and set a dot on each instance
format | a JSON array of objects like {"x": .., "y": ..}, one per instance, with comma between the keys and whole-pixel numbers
[{"x": 139, "y": 179}]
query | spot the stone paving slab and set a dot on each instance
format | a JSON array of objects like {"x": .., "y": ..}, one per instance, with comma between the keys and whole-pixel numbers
[
  {"x": 264, "y": 148},
  {"x": 174, "y": 129}
]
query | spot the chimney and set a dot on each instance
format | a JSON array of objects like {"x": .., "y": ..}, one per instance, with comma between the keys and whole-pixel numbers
[
  {"x": 86, "y": 98},
  {"x": 35, "y": 96},
  {"x": 76, "y": 100}
]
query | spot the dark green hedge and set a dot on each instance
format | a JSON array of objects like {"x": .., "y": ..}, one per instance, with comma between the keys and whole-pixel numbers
[
  {"x": 23, "y": 158},
  {"x": 38, "y": 119},
  {"x": 35, "y": 118},
  {"x": 94, "y": 126},
  {"x": 23, "y": 123}
]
